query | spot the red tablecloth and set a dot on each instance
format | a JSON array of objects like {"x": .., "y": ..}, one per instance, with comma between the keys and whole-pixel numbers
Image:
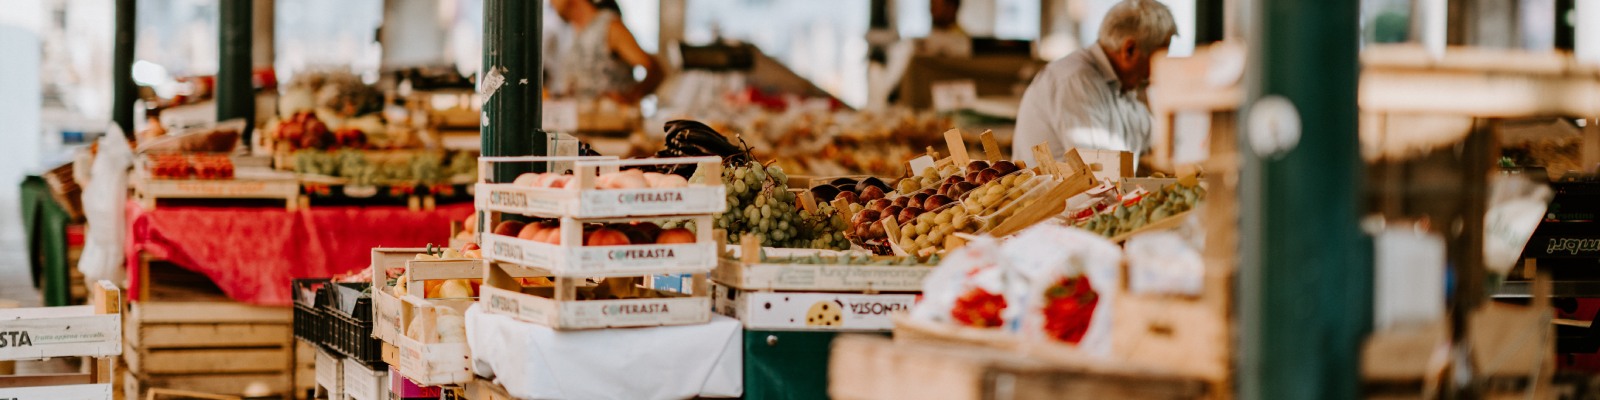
[{"x": 253, "y": 252}]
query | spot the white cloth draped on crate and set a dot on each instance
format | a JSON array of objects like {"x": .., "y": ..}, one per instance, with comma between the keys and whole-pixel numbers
[{"x": 671, "y": 362}]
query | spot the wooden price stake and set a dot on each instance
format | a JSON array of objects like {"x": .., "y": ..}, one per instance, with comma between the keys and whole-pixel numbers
[
  {"x": 991, "y": 148},
  {"x": 808, "y": 201},
  {"x": 1047, "y": 164},
  {"x": 891, "y": 232},
  {"x": 958, "y": 147},
  {"x": 844, "y": 208}
]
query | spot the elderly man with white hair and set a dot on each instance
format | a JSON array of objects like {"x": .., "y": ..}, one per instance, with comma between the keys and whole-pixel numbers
[{"x": 1094, "y": 97}]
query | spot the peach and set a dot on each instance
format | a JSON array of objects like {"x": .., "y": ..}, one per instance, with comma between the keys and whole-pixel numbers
[{"x": 675, "y": 236}]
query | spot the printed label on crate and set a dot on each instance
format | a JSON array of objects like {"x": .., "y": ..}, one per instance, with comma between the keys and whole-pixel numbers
[
  {"x": 100, "y": 391},
  {"x": 691, "y": 200},
  {"x": 386, "y": 317},
  {"x": 508, "y": 198},
  {"x": 813, "y": 311},
  {"x": 831, "y": 277},
  {"x": 89, "y": 335},
  {"x": 635, "y": 312},
  {"x": 597, "y": 313},
  {"x": 564, "y": 260}
]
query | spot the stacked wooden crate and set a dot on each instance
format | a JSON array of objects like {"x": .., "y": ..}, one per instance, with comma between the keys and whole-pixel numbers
[{"x": 219, "y": 347}]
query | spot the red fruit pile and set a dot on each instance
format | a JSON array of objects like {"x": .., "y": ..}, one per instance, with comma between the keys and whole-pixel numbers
[
  {"x": 1068, "y": 305},
  {"x": 181, "y": 166},
  {"x": 978, "y": 308}
]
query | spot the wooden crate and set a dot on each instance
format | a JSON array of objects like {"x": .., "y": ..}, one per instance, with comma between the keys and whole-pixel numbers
[
  {"x": 696, "y": 199},
  {"x": 558, "y": 306},
  {"x": 93, "y": 331},
  {"x": 572, "y": 259},
  {"x": 483, "y": 389},
  {"x": 148, "y": 190},
  {"x": 747, "y": 272},
  {"x": 429, "y": 362},
  {"x": 864, "y": 367},
  {"x": 219, "y": 347}
]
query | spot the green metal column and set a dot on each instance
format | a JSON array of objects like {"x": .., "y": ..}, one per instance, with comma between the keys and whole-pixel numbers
[
  {"x": 236, "y": 97},
  {"x": 1305, "y": 277},
  {"x": 122, "y": 89},
  {"x": 510, "y": 83}
]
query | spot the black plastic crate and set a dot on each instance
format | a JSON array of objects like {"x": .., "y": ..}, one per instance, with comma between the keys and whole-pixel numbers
[
  {"x": 310, "y": 319},
  {"x": 348, "y": 314}
]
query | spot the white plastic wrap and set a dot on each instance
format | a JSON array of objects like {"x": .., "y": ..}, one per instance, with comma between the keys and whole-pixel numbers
[
  {"x": 104, "y": 197},
  {"x": 1164, "y": 263},
  {"x": 1042, "y": 255},
  {"x": 974, "y": 266},
  {"x": 669, "y": 362}
]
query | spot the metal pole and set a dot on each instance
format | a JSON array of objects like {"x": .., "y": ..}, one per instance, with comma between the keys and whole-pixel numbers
[
  {"x": 236, "y": 97},
  {"x": 122, "y": 87},
  {"x": 1305, "y": 278},
  {"x": 511, "y": 84}
]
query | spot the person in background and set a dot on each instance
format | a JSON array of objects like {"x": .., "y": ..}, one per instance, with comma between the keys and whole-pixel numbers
[
  {"x": 1094, "y": 97},
  {"x": 946, "y": 38},
  {"x": 597, "y": 55}
]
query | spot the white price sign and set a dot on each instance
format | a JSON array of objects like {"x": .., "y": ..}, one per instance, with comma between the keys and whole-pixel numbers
[
  {"x": 954, "y": 95},
  {"x": 560, "y": 116}
]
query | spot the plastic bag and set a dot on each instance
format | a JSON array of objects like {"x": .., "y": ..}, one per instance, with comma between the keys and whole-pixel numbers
[
  {"x": 1063, "y": 275},
  {"x": 104, "y": 198},
  {"x": 967, "y": 287},
  {"x": 1164, "y": 263}
]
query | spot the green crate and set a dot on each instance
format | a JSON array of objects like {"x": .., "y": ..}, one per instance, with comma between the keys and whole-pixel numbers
[{"x": 787, "y": 365}]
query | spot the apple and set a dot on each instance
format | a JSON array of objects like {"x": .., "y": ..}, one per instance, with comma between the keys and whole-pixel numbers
[
  {"x": 675, "y": 236},
  {"x": 471, "y": 224},
  {"x": 977, "y": 165},
  {"x": 866, "y": 217},
  {"x": 987, "y": 175},
  {"x": 872, "y": 193},
  {"x": 879, "y": 204},
  {"x": 937, "y": 201},
  {"x": 508, "y": 228},
  {"x": 902, "y": 201},
  {"x": 893, "y": 210},
  {"x": 918, "y": 199},
  {"x": 849, "y": 197},
  {"x": 909, "y": 214},
  {"x": 1005, "y": 167}
]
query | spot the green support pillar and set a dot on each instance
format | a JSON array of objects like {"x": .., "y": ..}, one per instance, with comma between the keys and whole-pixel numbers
[
  {"x": 123, "y": 91},
  {"x": 511, "y": 83},
  {"x": 1305, "y": 277},
  {"x": 236, "y": 96}
]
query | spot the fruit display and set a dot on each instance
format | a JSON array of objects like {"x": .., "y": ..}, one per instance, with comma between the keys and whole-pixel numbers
[
  {"x": 1139, "y": 210},
  {"x": 186, "y": 166},
  {"x": 1068, "y": 304},
  {"x": 625, "y": 179},
  {"x": 304, "y": 130},
  {"x": 760, "y": 203},
  {"x": 820, "y": 141},
  {"x": 598, "y": 234},
  {"x": 400, "y": 168},
  {"x": 847, "y": 259}
]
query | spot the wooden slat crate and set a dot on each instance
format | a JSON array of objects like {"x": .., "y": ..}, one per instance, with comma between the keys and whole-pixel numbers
[
  {"x": 219, "y": 347},
  {"x": 864, "y": 367}
]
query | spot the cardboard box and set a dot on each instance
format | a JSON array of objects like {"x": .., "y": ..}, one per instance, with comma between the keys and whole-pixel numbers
[{"x": 812, "y": 311}]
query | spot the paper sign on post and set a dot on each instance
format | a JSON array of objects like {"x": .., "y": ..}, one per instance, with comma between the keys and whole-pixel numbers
[
  {"x": 1191, "y": 137},
  {"x": 560, "y": 116},
  {"x": 954, "y": 95}
]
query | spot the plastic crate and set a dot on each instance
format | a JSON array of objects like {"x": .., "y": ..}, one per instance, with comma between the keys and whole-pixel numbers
[
  {"x": 310, "y": 320},
  {"x": 348, "y": 323}
]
